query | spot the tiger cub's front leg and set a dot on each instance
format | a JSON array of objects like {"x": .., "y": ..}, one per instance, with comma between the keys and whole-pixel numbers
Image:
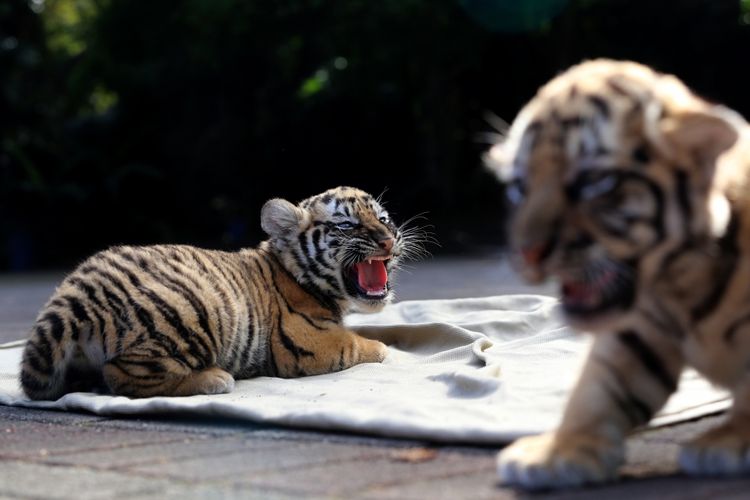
[
  {"x": 624, "y": 382},
  {"x": 323, "y": 351},
  {"x": 724, "y": 450}
]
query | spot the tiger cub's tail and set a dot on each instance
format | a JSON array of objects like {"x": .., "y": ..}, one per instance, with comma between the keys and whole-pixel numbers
[{"x": 49, "y": 354}]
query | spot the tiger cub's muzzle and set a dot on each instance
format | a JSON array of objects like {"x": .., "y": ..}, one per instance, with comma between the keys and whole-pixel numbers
[{"x": 589, "y": 286}]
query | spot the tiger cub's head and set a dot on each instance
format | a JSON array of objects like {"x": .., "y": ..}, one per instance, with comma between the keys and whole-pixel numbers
[
  {"x": 342, "y": 243},
  {"x": 613, "y": 168}
]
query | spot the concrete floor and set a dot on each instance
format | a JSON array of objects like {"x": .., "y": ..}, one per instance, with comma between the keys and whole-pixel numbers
[{"x": 80, "y": 456}]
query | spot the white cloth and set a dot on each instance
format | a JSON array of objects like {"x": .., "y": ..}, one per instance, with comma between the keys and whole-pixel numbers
[{"x": 481, "y": 370}]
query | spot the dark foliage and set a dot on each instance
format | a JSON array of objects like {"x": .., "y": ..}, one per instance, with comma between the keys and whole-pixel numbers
[{"x": 134, "y": 122}]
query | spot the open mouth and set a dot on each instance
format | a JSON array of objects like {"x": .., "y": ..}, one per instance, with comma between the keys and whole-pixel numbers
[
  {"x": 601, "y": 289},
  {"x": 369, "y": 278}
]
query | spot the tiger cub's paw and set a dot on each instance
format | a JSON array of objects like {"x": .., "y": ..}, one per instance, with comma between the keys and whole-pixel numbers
[
  {"x": 543, "y": 462},
  {"x": 372, "y": 351},
  {"x": 212, "y": 380},
  {"x": 719, "y": 452}
]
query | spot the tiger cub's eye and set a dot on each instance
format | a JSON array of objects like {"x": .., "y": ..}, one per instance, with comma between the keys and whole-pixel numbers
[{"x": 591, "y": 185}]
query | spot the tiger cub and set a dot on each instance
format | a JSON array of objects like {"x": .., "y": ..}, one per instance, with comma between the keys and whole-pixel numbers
[
  {"x": 634, "y": 194},
  {"x": 173, "y": 320}
]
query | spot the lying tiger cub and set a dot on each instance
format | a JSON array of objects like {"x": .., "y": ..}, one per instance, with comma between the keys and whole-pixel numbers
[
  {"x": 635, "y": 195},
  {"x": 175, "y": 320}
]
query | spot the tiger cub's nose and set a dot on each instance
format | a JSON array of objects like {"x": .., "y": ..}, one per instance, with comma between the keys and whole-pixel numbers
[{"x": 386, "y": 244}]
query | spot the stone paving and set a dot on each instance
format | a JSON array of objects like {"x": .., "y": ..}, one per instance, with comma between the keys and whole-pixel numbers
[{"x": 82, "y": 456}]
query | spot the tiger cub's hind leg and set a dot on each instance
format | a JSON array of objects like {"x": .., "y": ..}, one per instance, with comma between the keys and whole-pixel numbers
[{"x": 146, "y": 376}]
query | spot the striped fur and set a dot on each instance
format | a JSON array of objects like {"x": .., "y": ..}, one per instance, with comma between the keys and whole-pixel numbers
[
  {"x": 177, "y": 320},
  {"x": 633, "y": 193}
]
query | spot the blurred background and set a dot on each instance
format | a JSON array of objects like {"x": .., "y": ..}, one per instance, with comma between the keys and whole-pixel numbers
[{"x": 163, "y": 121}]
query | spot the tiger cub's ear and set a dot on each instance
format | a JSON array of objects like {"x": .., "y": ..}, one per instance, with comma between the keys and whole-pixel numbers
[
  {"x": 698, "y": 137},
  {"x": 278, "y": 217}
]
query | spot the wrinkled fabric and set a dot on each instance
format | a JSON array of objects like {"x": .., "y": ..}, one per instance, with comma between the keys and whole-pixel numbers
[{"x": 483, "y": 370}]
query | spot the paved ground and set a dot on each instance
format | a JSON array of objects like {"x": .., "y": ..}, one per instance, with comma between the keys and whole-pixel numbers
[{"x": 81, "y": 456}]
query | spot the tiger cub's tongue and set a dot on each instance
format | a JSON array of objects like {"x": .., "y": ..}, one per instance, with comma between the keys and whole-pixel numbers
[{"x": 372, "y": 275}]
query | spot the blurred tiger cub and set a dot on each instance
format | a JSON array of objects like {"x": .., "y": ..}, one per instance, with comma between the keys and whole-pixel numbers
[
  {"x": 635, "y": 195},
  {"x": 174, "y": 320}
]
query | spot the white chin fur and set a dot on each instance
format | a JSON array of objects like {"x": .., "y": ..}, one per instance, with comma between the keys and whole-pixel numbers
[{"x": 362, "y": 305}]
